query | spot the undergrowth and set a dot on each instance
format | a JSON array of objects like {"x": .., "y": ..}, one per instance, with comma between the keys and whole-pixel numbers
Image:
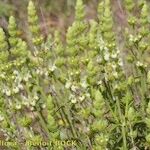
[{"x": 86, "y": 89}]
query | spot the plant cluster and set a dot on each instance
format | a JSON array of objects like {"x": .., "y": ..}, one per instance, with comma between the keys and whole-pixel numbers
[{"x": 81, "y": 89}]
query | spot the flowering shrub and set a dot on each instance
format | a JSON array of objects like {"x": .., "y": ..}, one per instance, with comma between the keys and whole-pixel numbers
[{"x": 82, "y": 89}]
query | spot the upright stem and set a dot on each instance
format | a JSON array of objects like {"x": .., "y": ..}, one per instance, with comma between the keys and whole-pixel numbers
[{"x": 123, "y": 122}]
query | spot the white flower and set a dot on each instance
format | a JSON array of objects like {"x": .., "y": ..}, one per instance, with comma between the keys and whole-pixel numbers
[
  {"x": 43, "y": 106},
  {"x": 2, "y": 75},
  {"x": 36, "y": 53},
  {"x": 139, "y": 64},
  {"x": 116, "y": 86},
  {"x": 99, "y": 82},
  {"x": 20, "y": 86},
  {"x": 26, "y": 103},
  {"x": 84, "y": 84},
  {"x": 52, "y": 68},
  {"x": 114, "y": 66},
  {"x": 13, "y": 77},
  {"x": 68, "y": 85},
  {"x": 115, "y": 74},
  {"x": 73, "y": 101},
  {"x": 16, "y": 90},
  {"x": 27, "y": 77},
  {"x": 87, "y": 95},
  {"x": 1, "y": 118},
  {"x": 36, "y": 97},
  {"x": 99, "y": 59},
  {"x": 114, "y": 55},
  {"x": 18, "y": 106},
  {"x": 74, "y": 88},
  {"x": 24, "y": 97},
  {"x": 31, "y": 108},
  {"x": 71, "y": 73},
  {"x": 106, "y": 76},
  {"x": 120, "y": 62},
  {"x": 38, "y": 71},
  {"x": 105, "y": 49},
  {"x": 106, "y": 56},
  {"x": 8, "y": 92},
  {"x": 33, "y": 103},
  {"x": 118, "y": 52},
  {"x": 145, "y": 65},
  {"x": 15, "y": 72},
  {"x": 81, "y": 98},
  {"x": 131, "y": 38},
  {"x": 46, "y": 73}
]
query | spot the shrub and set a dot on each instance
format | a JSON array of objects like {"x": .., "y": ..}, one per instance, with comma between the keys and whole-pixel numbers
[{"x": 79, "y": 89}]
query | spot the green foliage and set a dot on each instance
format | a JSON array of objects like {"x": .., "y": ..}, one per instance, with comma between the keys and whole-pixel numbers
[
  {"x": 52, "y": 125},
  {"x": 80, "y": 13},
  {"x": 3, "y": 47},
  {"x": 18, "y": 46},
  {"x": 93, "y": 43},
  {"x": 78, "y": 88},
  {"x": 106, "y": 21},
  {"x": 129, "y": 4},
  {"x": 100, "y": 124},
  {"x": 13, "y": 32},
  {"x": 34, "y": 24}
]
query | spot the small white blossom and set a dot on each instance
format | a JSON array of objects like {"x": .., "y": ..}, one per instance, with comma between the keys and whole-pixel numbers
[
  {"x": 114, "y": 66},
  {"x": 43, "y": 106},
  {"x": 27, "y": 77},
  {"x": 46, "y": 73},
  {"x": 120, "y": 62},
  {"x": 68, "y": 85},
  {"x": 15, "y": 89},
  {"x": 38, "y": 71},
  {"x": 31, "y": 108},
  {"x": 99, "y": 59},
  {"x": 74, "y": 88},
  {"x": 139, "y": 64},
  {"x": 20, "y": 86},
  {"x": 84, "y": 84},
  {"x": 15, "y": 72},
  {"x": 116, "y": 86},
  {"x": 71, "y": 73},
  {"x": 81, "y": 98},
  {"x": 52, "y": 68},
  {"x": 115, "y": 74},
  {"x": 18, "y": 106},
  {"x": 2, "y": 75},
  {"x": 73, "y": 101},
  {"x": 88, "y": 95},
  {"x": 33, "y": 103},
  {"x": 106, "y": 56},
  {"x": 36, "y": 97},
  {"x": 99, "y": 82},
  {"x": 131, "y": 38},
  {"x": 26, "y": 103},
  {"x": 8, "y": 92},
  {"x": 1, "y": 118},
  {"x": 114, "y": 55}
]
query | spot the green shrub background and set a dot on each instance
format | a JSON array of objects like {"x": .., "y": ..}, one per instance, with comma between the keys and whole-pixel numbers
[{"x": 90, "y": 85}]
